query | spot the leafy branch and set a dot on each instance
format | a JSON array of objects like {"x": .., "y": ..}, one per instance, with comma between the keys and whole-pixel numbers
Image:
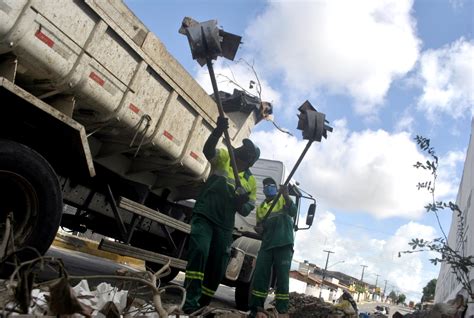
[{"x": 460, "y": 264}]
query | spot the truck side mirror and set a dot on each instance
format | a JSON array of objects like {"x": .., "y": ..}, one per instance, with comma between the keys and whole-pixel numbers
[{"x": 310, "y": 214}]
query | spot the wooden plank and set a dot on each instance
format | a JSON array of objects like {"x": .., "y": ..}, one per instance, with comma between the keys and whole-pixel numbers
[{"x": 153, "y": 215}]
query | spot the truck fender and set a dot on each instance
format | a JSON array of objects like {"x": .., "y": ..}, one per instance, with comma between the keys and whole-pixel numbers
[
  {"x": 56, "y": 136},
  {"x": 243, "y": 259}
]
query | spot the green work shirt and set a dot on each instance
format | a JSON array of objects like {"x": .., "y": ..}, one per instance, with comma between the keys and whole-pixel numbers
[
  {"x": 278, "y": 227},
  {"x": 216, "y": 201}
]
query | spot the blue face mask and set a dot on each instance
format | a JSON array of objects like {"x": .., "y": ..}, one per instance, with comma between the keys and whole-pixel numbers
[{"x": 270, "y": 190}]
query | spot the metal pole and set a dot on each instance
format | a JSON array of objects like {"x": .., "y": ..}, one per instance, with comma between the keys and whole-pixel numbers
[
  {"x": 221, "y": 114},
  {"x": 288, "y": 179},
  {"x": 362, "y": 276},
  {"x": 361, "y": 279},
  {"x": 376, "y": 281},
  {"x": 324, "y": 273}
]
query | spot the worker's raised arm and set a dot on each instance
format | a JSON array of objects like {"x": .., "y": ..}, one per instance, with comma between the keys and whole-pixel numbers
[
  {"x": 290, "y": 206},
  {"x": 209, "y": 149}
]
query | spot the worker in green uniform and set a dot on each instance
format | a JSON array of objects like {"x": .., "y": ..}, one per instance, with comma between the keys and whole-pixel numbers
[
  {"x": 276, "y": 250},
  {"x": 213, "y": 216}
]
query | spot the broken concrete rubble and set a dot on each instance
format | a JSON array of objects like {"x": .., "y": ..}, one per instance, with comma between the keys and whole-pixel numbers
[
  {"x": 454, "y": 308},
  {"x": 305, "y": 306}
]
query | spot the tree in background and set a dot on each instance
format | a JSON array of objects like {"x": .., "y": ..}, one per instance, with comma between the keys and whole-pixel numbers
[
  {"x": 401, "y": 299},
  {"x": 393, "y": 296},
  {"x": 429, "y": 291}
]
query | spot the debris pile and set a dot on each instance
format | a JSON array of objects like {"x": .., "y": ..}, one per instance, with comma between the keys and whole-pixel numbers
[
  {"x": 62, "y": 299},
  {"x": 305, "y": 306},
  {"x": 134, "y": 293},
  {"x": 452, "y": 309}
]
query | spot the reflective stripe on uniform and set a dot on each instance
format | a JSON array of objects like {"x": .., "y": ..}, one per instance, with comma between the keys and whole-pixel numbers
[
  {"x": 257, "y": 293},
  {"x": 194, "y": 275},
  {"x": 282, "y": 296},
  {"x": 208, "y": 292}
]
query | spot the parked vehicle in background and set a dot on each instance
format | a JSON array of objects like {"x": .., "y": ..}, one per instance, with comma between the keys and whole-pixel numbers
[{"x": 381, "y": 310}]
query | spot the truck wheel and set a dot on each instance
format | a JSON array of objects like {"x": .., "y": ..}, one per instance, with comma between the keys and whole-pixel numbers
[
  {"x": 156, "y": 267},
  {"x": 29, "y": 189},
  {"x": 242, "y": 296}
]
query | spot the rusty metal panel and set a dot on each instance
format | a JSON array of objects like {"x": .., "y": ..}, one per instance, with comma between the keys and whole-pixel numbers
[
  {"x": 73, "y": 18},
  {"x": 117, "y": 11},
  {"x": 188, "y": 87}
]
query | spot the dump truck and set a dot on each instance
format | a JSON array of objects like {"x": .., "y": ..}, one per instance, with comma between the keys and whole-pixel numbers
[{"x": 102, "y": 130}]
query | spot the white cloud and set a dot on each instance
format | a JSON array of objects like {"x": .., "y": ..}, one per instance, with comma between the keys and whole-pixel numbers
[
  {"x": 325, "y": 224},
  {"x": 408, "y": 273},
  {"x": 351, "y": 47},
  {"x": 447, "y": 76},
  {"x": 369, "y": 171},
  {"x": 405, "y": 123}
]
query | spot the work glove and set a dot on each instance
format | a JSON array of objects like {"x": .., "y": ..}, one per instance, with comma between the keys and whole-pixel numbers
[
  {"x": 241, "y": 197},
  {"x": 259, "y": 228},
  {"x": 284, "y": 191},
  {"x": 221, "y": 125}
]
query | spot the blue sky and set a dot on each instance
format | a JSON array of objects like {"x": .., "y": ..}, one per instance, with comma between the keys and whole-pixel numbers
[{"x": 382, "y": 72}]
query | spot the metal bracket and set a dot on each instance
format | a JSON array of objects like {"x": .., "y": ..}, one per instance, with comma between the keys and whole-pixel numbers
[
  {"x": 8, "y": 67},
  {"x": 64, "y": 103},
  {"x": 118, "y": 218}
]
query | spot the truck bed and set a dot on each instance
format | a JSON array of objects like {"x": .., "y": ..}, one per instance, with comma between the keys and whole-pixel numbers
[{"x": 145, "y": 117}]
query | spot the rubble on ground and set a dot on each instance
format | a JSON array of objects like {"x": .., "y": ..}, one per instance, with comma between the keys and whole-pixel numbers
[
  {"x": 305, "y": 306},
  {"x": 452, "y": 309},
  {"x": 62, "y": 299},
  {"x": 132, "y": 293}
]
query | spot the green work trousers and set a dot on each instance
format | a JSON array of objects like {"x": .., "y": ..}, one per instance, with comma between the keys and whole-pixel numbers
[
  {"x": 208, "y": 256},
  {"x": 278, "y": 258}
]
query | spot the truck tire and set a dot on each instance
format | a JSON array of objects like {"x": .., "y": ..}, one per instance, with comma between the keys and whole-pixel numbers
[
  {"x": 242, "y": 295},
  {"x": 30, "y": 189},
  {"x": 165, "y": 279}
]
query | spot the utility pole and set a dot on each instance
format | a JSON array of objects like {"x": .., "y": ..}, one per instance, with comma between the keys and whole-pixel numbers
[
  {"x": 324, "y": 272},
  {"x": 376, "y": 281},
  {"x": 384, "y": 289},
  {"x": 361, "y": 279},
  {"x": 363, "y": 269}
]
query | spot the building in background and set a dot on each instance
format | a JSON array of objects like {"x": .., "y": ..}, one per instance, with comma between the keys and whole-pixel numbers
[
  {"x": 447, "y": 286},
  {"x": 308, "y": 280}
]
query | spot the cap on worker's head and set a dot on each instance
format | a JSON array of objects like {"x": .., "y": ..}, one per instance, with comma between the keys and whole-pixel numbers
[
  {"x": 268, "y": 180},
  {"x": 248, "y": 152}
]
